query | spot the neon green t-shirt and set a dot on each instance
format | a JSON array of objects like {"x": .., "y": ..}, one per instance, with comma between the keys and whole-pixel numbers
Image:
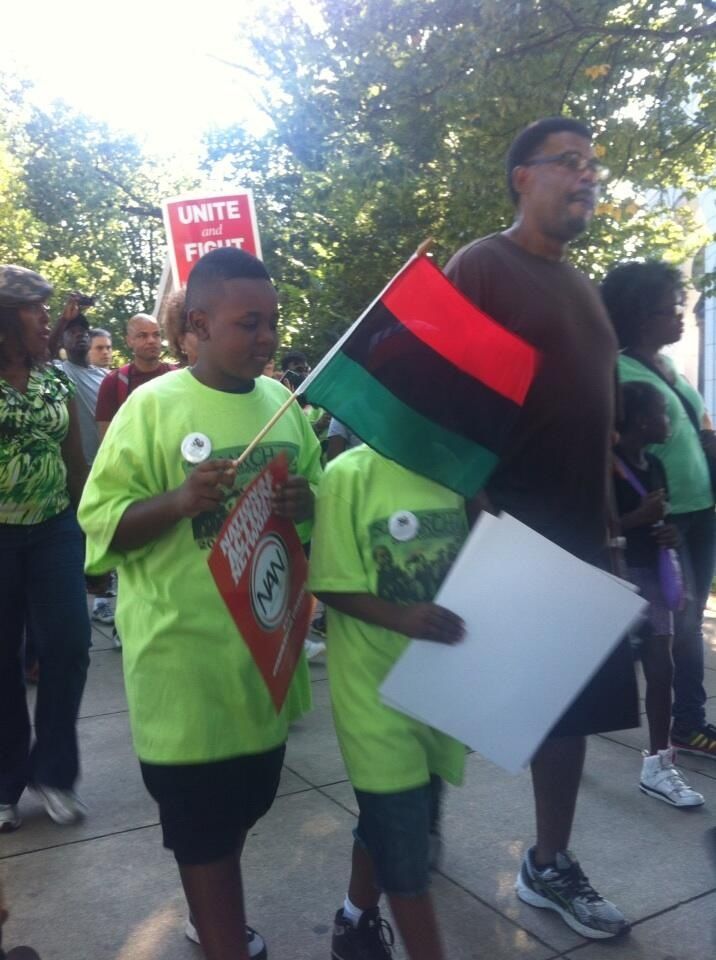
[
  {"x": 194, "y": 691},
  {"x": 381, "y": 529},
  {"x": 687, "y": 472}
]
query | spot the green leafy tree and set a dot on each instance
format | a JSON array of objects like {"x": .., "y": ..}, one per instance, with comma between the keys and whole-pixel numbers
[
  {"x": 389, "y": 122},
  {"x": 82, "y": 205}
]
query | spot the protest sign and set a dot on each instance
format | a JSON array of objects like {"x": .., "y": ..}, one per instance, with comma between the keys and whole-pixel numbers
[
  {"x": 260, "y": 568},
  {"x": 198, "y": 223},
  {"x": 539, "y": 623}
]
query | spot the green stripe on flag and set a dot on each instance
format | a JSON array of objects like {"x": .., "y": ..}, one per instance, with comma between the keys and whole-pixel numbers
[{"x": 384, "y": 422}]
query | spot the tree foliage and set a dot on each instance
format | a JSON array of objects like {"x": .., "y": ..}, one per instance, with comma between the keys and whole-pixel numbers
[
  {"x": 80, "y": 203},
  {"x": 389, "y": 123}
]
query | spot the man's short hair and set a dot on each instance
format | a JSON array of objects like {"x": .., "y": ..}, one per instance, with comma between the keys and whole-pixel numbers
[
  {"x": 293, "y": 356},
  {"x": 99, "y": 332},
  {"x": 224, "y": 263},
  {"x": 529, "y": 140},
  {"x": 140, "y": 316}
]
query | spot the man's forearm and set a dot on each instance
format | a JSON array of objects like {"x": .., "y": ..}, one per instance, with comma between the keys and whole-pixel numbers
[{"x": 146, "y": 520}]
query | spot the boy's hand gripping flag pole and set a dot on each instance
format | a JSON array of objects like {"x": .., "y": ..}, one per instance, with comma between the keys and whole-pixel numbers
[{"x": 422, "y": 249}]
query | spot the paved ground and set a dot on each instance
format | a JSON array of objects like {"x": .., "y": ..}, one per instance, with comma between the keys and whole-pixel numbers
[{"x": 106, "y": 890}]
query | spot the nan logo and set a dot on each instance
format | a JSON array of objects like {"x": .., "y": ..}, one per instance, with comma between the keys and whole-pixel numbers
[{"x": 270, "y": 582}]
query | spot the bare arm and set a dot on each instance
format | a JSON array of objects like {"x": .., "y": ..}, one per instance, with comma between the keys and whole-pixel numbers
[
  {"x": 73, "y": 457},
  {"x": 428, "y": 621},
  {"x": 102, "y": 427},
  {"x": 146, "y": 520},
  {"x": 69, "y": 313}
]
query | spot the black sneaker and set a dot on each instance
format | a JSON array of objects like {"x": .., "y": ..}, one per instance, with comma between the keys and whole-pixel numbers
[
  {"x": 700, "y": 741},
  {"x": 565, "y": 889},
  {"x": 372, "y": 939}
]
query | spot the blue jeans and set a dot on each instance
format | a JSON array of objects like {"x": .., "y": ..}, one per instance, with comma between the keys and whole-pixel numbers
[
  {"x": 698, "y": 553},
  {"x": 42, "y": 583}
]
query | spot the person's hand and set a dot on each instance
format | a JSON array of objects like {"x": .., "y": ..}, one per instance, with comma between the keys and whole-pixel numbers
[
  {"x": 293, "y": 500},
  {"x": 428, "y": 621},
  {"x": 205, "y": 487},
  {"x": 322, "y": 423},
  {"x": 653, "y": 507},
  {"x": 667, "y": 535},
  {"x": 70, "y": 311}
]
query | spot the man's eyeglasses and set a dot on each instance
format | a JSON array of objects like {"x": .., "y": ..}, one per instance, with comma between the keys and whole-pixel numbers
[{"x": 573, "y": 161}]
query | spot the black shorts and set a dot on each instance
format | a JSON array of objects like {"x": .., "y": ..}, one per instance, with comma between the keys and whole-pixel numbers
[
  {"x": 205, "y": 808},
  {"x": 610, "y": 701}
]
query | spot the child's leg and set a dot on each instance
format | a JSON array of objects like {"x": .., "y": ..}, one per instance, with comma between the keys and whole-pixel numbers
[
  {"x": 216, "y": 900},
  {"x": 658, "y": 669},
  {"x": 395, "y": 828},
  {"x": 363, "y": 890},
  {"x": 417, "y": 925}
]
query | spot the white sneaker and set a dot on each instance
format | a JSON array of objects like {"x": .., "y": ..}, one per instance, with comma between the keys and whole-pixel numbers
[
  {"x": 254, "y": 940},
  {"x": 661, "y": 779},
  {"x": 102, "y": 611},
  {"x": 9, "y": 818},
  {"x": 62, "y": 806},
  {"x": 313, "y": 648},
  {"x": 116, "y": 639}
]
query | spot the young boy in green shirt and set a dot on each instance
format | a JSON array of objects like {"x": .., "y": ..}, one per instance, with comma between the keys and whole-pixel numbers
[
  {"x": 384, "y": 538},
  {"x": 208, "y": 738}
]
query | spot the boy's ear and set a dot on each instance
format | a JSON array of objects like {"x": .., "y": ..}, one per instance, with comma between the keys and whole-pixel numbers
[{"x": 198, "y": 323}]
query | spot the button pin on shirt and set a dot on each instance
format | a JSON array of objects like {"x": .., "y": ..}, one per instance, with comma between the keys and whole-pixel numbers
[
  {"x": 403, "y": 526},
  {"x": 196, "y": 448}
]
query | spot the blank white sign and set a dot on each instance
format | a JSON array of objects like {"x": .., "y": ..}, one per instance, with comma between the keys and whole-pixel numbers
[{"x": 539, "y": 624}]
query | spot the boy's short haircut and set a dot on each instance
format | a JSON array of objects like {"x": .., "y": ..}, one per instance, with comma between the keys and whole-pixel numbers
[
  {"x": 224, "y": 263},
  {"x": 99, "y": 332}
]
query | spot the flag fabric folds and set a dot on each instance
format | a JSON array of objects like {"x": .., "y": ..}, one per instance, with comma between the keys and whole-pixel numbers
[{"x": 427, "y": 379}]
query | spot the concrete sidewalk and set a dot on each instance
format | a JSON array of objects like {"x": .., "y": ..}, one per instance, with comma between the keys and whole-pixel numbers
[{"x": 106, "y": 890}]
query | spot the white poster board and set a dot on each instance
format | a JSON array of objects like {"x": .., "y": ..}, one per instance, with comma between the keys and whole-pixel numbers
[{"x": 539, "y": 623}]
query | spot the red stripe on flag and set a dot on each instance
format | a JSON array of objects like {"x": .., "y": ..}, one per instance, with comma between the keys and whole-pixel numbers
[{"x": 435, "y": 311}]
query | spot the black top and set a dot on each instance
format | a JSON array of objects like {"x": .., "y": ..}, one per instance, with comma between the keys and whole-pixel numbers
[{"x": 641, "y": 548}]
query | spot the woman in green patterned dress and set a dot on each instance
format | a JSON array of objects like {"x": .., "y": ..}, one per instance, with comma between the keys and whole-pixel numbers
[{"x": 42, "y": 584}]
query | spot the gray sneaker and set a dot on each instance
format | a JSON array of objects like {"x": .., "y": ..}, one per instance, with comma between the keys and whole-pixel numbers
[
  {"x": 565, "y": 889},
  {"x": 102, "y": 612},
  {"x": 254, "y": 940},
  {"x": 62, "y": 806},
  {"x": 9, "y": 818}
]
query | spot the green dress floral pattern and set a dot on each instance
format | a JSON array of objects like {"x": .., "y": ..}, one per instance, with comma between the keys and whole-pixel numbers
[{"x": 33, "y": 479}]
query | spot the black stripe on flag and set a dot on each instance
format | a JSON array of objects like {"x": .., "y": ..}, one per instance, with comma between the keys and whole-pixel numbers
[{"x": 424, "y": 380}]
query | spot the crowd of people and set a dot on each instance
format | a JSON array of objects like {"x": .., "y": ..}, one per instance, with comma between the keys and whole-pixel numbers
[{"x": 94, "y": 478}]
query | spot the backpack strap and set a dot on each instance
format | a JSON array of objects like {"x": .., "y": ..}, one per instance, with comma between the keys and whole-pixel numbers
[{"x": 122, "y": 384}]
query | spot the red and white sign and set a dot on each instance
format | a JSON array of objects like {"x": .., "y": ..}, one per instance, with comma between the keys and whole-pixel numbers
[
  {"x": 198, "y": 223},
  {"x": 260, "y": 568}
]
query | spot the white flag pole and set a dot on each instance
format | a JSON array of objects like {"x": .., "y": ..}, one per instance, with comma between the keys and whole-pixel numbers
[{"x": 422, "y": 249}]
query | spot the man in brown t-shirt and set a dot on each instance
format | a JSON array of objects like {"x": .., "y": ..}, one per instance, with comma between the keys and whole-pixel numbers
[
  {"x": 555, "y": 474},
  {"x": 144, "y": 340}
]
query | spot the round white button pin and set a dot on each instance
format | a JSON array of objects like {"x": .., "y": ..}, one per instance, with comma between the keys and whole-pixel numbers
[
  {"x": 403, "y": 525},
  {"x": 196, "y": 447}
]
